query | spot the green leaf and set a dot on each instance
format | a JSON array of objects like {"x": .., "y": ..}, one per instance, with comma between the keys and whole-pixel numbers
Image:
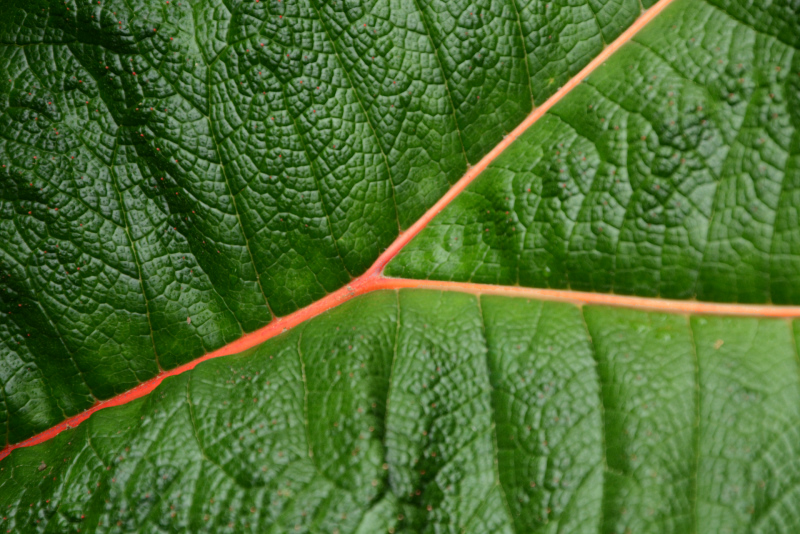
[
  {"x": 420, "y": 411},
  {"x": 174, "y": 175},
  {"x": 178, "y": 174},
  {"x": 672, "y": 171}
]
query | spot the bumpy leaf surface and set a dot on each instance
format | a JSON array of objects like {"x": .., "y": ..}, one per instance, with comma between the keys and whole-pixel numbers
[
  {"x": 176, "y": 174},
  {"x": 673, "y": 171},
  {"x": 173, "y": 174},
  {"x": 421, "y": 411}
]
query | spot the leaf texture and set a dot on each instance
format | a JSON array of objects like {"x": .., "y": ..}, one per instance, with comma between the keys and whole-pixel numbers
[
  {"x": 174, "y": 175},
  {"x": 672, "y": 171},
  {"x": 422, "y": 411}
]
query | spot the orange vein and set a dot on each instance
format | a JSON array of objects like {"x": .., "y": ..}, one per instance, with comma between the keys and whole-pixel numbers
[
  {"x": 276, "y": 326},
  {"x": 602, "y": 299},
  {"x": 373, "y": 279},
  {"x": 535, "y": 115}
]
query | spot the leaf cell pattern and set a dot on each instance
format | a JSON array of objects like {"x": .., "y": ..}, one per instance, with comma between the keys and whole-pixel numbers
[{"x": 177, "y": 174}]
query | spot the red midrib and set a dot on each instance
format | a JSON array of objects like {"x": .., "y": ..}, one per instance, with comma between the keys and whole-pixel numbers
[{"x": 374, "y": 280}]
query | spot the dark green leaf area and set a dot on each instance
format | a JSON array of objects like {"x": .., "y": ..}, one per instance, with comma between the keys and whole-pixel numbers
[
  {"x": 420, "y": 411},
  {"x": 672, "y": 171}
]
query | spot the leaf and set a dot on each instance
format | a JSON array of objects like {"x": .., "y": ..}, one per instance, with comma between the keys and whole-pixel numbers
[
  {"x": 401, "y": 410},
  {"x": 421, "y": 411},
  {"x": 175, "y": 175},
  {"x": 672, "y": 171}
]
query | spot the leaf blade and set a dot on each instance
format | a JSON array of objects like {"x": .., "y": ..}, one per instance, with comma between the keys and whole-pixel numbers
[
  {"x": 593, "y": 450},
  {"x": 637, "y": 181}
]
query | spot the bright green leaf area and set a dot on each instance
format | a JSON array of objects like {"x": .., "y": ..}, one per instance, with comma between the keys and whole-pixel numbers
[
  {"x": 422, "y": 411},
  {"x": 672, "y": 171},
  {"x": 175, "y": 174}
]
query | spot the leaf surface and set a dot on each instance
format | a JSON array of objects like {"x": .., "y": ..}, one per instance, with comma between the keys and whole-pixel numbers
[
  {"x": 174, "y": 175},
  {"x": 672, "y": 171},
  {"x": 422, "y": 411}
]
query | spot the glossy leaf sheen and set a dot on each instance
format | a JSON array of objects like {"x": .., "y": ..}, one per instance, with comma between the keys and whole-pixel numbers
[
  {"x": 176, "y": 173},
  {"x": 421, "y": 411},
  {"x": 672, "y": 171}
]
